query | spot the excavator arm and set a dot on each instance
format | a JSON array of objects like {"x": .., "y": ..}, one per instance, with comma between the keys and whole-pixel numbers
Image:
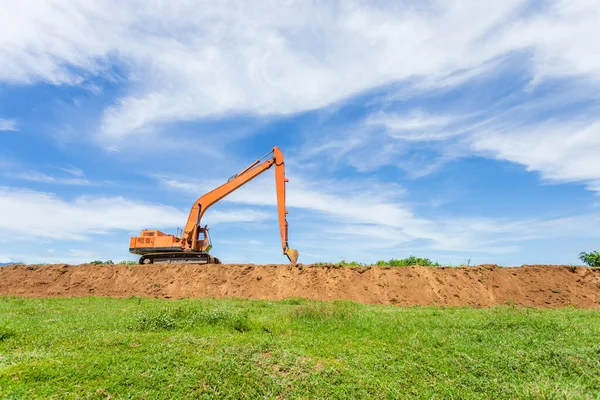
[{"x": 192, "y": 227}]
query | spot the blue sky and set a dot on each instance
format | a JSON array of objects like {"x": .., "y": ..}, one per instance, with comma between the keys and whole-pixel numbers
[{"x": 446, "y": 129}]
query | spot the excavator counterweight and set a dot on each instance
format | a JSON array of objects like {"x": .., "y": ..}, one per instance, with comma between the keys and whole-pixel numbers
[{"x": 194, "y": 244}]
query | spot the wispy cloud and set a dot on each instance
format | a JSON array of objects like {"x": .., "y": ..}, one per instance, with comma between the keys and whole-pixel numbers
[
  {"x": 34, "y": 176},
  {"x": 75, "y": 177},
  {"x": 29, "y": 214},
  {"x": 45, "y": 215},
  {"x": 84, "y": 254},
  {"x": 78, "y": 172},
  {"x": 417, "y": 125},
  {"x": 292, "y": 56},
  {"x": 46, "y": 256},
  {"x": 8, "y": 125},
  {"x": 379, "y": 219},
  {"x": 538, "y": 131},
  {"x": 561, "y": 151}
]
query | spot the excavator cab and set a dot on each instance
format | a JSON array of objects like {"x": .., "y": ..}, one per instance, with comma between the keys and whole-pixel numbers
[{"x": 204, "y": 243}]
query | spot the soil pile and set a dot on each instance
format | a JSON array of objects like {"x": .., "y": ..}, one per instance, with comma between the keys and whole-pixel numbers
[{"x": 481, "y": 286}]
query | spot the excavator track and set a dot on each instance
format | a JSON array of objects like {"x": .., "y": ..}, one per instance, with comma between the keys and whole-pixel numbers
[{"x": 179, "y": 258}]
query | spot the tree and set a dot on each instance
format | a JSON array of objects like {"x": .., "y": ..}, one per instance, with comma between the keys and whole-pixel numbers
[{"x": 592, "y": 259}]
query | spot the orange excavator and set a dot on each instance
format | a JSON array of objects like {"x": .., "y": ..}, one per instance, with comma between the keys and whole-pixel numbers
[{"x": 193, "y": 244}]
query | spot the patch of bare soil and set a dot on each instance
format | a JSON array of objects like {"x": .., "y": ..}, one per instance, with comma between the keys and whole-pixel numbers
[{"x": 481, "y": 286}]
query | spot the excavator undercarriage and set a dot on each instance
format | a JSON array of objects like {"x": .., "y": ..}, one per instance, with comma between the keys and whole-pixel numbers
[{"x": 188, "y": 257}]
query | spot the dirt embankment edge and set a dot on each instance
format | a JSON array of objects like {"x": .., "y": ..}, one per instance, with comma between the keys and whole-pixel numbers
[{"x": 481, "y": 286}]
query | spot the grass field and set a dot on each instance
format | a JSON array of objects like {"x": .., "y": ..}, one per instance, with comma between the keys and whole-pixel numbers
[{"x": 152, "y": 349}]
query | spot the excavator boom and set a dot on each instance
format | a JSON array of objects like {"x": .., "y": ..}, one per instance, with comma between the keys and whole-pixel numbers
[{"x": 195, "y": 238}]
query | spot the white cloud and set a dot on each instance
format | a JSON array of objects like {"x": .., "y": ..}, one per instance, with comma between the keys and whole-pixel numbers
[
  {"x": 75, "y": 177},
  {"x": 269, "y": 57},
  {"x": 84, "y": 254},
  {"x": 51, "y": 256},
  {"x": 262, "y": 192},
  {"x": 380, "y": 140},
  {"x": 545, "y": 133},
  {"x": 8, "y": 124},
  {"x": 563, "y": 37},
  {"x": 416, "y": 125},
  {"x": 562, "y": 152},
  {"x": 374, "y": 217},
  {"x": 34, "y": 176},
  {"x": 78, "y": 172},
  {"x": 30, "y": 215},
  {"x": 416, "y": 120}
]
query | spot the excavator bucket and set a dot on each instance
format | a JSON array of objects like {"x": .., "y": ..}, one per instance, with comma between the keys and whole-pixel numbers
[{"x": 292, "y": 254}]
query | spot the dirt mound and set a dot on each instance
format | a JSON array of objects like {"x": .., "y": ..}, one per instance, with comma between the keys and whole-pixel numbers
[{"x": 482, "y": 286}]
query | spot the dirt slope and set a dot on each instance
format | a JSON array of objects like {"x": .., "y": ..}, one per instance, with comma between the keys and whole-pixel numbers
[{"x": 539, "y": 286}]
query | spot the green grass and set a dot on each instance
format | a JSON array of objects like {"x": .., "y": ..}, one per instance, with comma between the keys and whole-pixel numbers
[{"x": 157, "y": 349}]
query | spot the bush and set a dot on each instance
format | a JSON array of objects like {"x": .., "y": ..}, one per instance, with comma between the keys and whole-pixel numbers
[
  {"x": 6, "y": 334},
  {"x": 345, "y": 263},
  {"x": 405, "y": 262},
  {"x": 342, "y": 263},
  {"x": 592, "y": 259},
  {"x": 160, "y": 321},
  {"x": 100, "y": 262},
  {"x": 171, "y": 318},
  {"x": 224, "y": 317}
]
